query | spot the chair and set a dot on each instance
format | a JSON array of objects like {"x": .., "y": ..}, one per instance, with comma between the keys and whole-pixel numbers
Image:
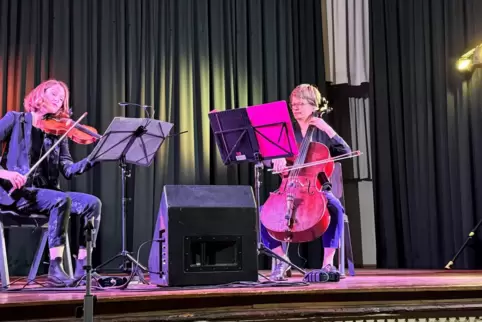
[
  {"x": 11, "y": 219},
  {"x": 345, "y": 252}
]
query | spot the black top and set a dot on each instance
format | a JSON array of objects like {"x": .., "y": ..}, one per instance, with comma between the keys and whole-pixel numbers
[
  {"x": 336, "y": 144},
  {"x": 39, "y": 175},
  {"x": 37, "y": 145}
]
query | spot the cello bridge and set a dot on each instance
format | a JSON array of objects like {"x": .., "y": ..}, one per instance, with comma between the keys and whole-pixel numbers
[{"x": 295, "y": 183}]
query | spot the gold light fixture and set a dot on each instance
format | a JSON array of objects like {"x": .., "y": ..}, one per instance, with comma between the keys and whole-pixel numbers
[{"x": 470, "y": 60}]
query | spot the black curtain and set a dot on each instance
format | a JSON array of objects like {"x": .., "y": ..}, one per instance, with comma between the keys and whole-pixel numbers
[
  {"x": 426, "y": 119},
  {"x": 183, "y": 57}
]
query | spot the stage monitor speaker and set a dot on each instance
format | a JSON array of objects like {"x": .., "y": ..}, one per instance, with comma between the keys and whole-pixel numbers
[{"x": 204, "y": 235}]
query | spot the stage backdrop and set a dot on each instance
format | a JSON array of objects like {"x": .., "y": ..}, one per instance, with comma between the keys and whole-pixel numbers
[
  {"x": 183, "y": 57},
  {"x": 426, "y": 121}
]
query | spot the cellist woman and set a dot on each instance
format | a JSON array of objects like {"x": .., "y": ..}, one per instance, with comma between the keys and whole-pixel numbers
[{"x": 304, "y": 100}]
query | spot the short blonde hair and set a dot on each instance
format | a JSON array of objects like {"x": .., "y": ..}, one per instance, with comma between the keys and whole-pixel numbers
[
  {"x": 34, "y": 100},
  {"x": 307, "y": 92}
]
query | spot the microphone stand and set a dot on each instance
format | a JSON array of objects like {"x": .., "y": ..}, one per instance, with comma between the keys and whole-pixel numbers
[
  {"x": 89, "y": 299},
  {"x": 124, "y": 104}
]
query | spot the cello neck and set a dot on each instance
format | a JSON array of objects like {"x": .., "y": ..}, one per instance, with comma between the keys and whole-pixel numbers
[{"x": 300, "y": 159}]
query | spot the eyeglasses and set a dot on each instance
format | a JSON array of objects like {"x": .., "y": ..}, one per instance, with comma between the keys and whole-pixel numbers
[{"x": 299, "y": 104}]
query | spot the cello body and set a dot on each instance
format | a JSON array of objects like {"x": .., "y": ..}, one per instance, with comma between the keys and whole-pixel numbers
[{"x": 297, "y": 212}]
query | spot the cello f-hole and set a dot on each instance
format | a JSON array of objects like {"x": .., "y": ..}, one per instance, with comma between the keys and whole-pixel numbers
[{"x": 310, "y": 191}]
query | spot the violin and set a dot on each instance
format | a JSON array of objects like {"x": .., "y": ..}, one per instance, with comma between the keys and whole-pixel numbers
[
  {"x": 297, "y": 212},
  {"x": 60, "y": 123},
  {"x": 50, "y": 127}
]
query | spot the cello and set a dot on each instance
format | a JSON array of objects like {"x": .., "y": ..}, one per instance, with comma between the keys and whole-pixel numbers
[{"x": 297, "y": 212}]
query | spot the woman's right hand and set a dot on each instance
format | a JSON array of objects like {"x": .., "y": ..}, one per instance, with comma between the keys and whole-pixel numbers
[
  {"x": 279, "y": 164},
  {"x": 16, "y": 179}
]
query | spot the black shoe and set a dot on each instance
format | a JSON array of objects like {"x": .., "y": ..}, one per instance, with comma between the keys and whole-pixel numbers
[
  {"x": 57, "y": 276},
  {"x": 289, "y": 273},
  {"x": 334, "y": 275}
]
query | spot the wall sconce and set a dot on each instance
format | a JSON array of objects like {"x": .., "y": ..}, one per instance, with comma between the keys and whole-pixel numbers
[{"x": 470, "y": 60}]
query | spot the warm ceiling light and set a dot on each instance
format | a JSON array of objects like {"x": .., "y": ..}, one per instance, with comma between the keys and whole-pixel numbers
[
  {"x": 464, "y": 64},
  {"x": 470, "y": 60}
]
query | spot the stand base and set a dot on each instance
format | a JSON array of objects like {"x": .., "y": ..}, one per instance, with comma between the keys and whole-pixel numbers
[
  {"x": 87, "y": 311},
  {"x": 127, "y": 257},
  {"x": 262, "y": 249}
]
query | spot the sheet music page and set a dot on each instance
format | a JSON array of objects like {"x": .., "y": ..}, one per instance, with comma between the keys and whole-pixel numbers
[{"x": 121, "y": 132}]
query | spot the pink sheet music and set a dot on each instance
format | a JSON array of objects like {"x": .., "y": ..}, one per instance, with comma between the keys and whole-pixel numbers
[{"x": 269, "y": 113}]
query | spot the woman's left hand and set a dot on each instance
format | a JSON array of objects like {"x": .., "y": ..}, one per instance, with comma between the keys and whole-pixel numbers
[{"x": 320, "y": 123}]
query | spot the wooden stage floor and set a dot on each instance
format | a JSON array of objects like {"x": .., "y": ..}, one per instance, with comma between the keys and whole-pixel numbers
[{"x": 387, "y": 293}]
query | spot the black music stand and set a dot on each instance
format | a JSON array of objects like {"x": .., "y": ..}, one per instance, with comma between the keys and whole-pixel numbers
[
  {"x": 238, "y": 141},
  {"x": 461, "y": 249},
  {"x": 130, "y": 141}
]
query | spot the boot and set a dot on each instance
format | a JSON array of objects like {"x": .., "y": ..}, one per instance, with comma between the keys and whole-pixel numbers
[
  {"x": 288, "y": 272},
  {"x": 278, "y": 270},
  {"x": 79, "y": 268},
  {"x": 57, "y": 276}
]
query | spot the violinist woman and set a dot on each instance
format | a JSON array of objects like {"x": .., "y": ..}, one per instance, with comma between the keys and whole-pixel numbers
[
  {"x": 304, "y": 100},
  {"x": 40, "y": 193}
]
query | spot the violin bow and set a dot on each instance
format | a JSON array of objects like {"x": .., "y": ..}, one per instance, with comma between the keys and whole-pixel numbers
[
  {"x": 310, "y": 164},
  {"x": 50, "y": 150}
]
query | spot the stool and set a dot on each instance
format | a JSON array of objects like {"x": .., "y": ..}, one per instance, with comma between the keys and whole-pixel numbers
[
  {"x": 11, "y": 219},
  {"x": 345, "y": 245},
  {"x": 345, "y": 252}
]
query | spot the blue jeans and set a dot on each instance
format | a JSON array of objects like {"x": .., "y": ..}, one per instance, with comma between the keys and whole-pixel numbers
[
  {"x": 59, "y": 205},
  {"x": 331, "y": 238}
]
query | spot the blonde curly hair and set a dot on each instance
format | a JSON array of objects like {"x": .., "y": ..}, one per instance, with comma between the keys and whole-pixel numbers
[
  {"x": 307, "y": 92},
  {"x": 36, "y": 98}
]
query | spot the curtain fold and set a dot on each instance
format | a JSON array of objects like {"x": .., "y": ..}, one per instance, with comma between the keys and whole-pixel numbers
[
  {"x": 346, "y": 37},
  {"x": 360, "y": 137},
  {"x": 425, "y": 120}
]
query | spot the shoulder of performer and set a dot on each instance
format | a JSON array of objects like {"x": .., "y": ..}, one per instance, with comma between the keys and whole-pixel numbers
[
  {"x": 14, "y": 114},
  {"x": 9, "y": 119}
]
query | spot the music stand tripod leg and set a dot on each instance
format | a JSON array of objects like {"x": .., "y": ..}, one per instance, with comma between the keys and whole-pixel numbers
[
  {"x": 110, "y": 260},
  {"x": 469, "y": 237},
  {"x": 268, "y": 252},
  {"x": 262, "y": 249},
  {"x": 137, "y": 269}
]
